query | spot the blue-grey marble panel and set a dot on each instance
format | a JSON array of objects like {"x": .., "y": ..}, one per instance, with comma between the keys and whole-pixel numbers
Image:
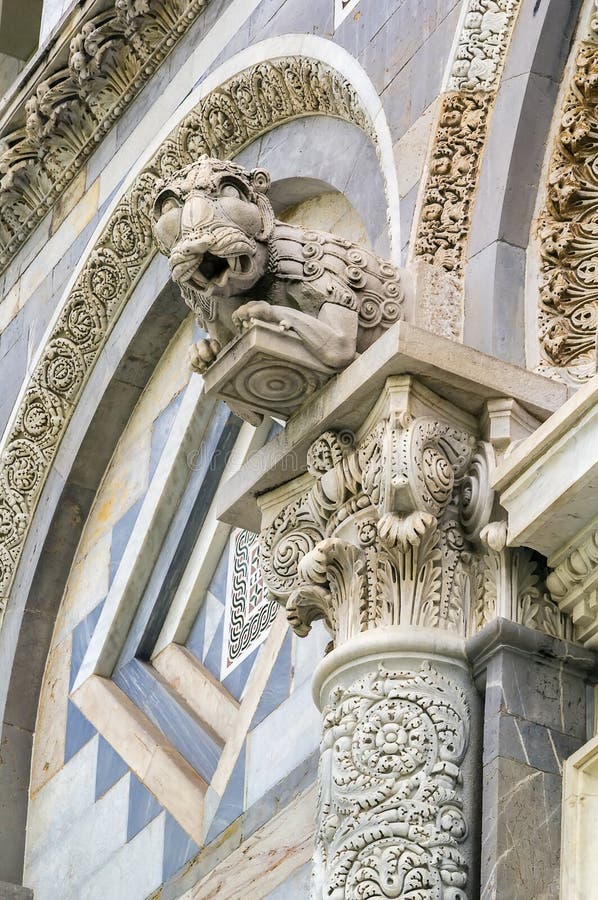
[
  {"x": 79, "y": 731},
  {"x": 218, "y": 582},
  {"x": 213, "y": 656},
  {"x": 278, "y": 685},
  {"x": 82, "y": 634},
  {"x": 120, "y": 536},
  {"x": 143, "y": 686},
  {"x": 187, "y": 521},
  {"x": 143, "y": 807},
  {"x": 232, "y": 801},
  {"x": 236, "y": 681},
  {"x": 178, "y": 847},
  {"x": 110, "y": 767},
  {"x": 204, "y": 628},
  {"x": 160, "y": 430}
]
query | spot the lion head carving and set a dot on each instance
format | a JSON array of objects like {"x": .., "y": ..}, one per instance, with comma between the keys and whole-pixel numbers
[
  {"x": 237, "y": 265},
  {"x": 213, "y": 221}
]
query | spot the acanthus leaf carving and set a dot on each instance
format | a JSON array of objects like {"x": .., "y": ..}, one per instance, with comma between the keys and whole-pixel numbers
[
  {"x": 511, "y": 582},
  {"x": 393, "y": 549}
]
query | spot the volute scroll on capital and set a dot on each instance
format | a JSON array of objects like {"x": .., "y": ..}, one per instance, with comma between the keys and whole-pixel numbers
[{"x": 384, "y": 534}]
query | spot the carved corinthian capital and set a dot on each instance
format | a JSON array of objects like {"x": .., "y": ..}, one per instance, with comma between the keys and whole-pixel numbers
[
  {"x": 396, "y": 524},
  {"x": 383, "y": 536}
]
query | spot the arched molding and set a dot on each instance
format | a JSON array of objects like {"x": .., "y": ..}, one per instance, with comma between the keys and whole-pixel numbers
[
  {"x": 562, "y": 293},
  {"x": 509, "y": 176},
  {"x": 219, "y": 119},
  {"x": 442, "y": 222}
]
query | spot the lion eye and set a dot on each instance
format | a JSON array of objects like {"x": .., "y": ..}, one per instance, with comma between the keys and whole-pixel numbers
[
  {"x": 168, "y": 204},
  {"x": 229, "y": 190}
]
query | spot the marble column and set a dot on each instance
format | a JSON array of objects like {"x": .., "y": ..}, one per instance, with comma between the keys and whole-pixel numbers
[
  {"x": 377, "y": 539},
  {"x": 399, "y": 788}
]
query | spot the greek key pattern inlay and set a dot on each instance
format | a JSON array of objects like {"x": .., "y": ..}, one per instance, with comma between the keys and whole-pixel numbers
[
  {"x": 391, "y": 821},
  {"x": 249, "y": 612},
  {"x": 249, "y": 104}
]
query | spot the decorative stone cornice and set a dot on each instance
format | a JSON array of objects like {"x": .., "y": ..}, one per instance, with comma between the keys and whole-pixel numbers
[
  {"x": 567, "y": 316},
  {"x": 455, "y": 154},
  {"x": 574, "y": 585},
  {"x": 69, "y": 108},
  {"x": 396, "y": 529},
  {"x": 249, "y": 104}
]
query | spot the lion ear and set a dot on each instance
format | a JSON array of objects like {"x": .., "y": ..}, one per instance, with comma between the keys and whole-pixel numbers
[{"x": 260, "y": 180}]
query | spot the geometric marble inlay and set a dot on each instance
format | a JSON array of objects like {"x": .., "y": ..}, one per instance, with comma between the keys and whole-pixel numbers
[{"x": 248, "y": 611}]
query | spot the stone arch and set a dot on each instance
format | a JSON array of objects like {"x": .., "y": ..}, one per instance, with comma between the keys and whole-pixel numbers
[
  {"x": 226, "y": 120},
  {"x": 509, "y": 177},
  {"x": 562, "y": 295},
  {"x": 94, "y": 331}
]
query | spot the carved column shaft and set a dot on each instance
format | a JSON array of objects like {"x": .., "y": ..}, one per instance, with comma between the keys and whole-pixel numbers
[
  {"x": 394, "y": 539},
  {"x": 398, "y": 785}
]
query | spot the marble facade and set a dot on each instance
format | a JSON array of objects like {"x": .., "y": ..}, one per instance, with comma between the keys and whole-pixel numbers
[{"x": 343, "y": 644}]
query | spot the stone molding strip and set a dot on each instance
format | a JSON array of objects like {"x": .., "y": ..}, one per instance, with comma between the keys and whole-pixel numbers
[
  {"x": 227, "y": 119},
  {"x": 448, "y": 188},
  {"x": 568, "y": 299},
  {"x": 68, "y": 109}
]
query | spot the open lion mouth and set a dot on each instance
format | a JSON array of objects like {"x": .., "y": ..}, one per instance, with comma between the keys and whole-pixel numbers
[
  {"x": 212, "y": 266},
  {"x": 216, "y": 269},
  {"x": 203, "y": 270}
]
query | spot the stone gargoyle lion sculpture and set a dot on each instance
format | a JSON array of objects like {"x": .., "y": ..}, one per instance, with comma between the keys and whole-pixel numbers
[{"x": 235, "y": 263}]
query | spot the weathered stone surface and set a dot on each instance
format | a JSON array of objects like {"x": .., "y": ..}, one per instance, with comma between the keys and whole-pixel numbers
[
  {"x": 521, "y": 832},
  {"x": 536, "y": 714}
]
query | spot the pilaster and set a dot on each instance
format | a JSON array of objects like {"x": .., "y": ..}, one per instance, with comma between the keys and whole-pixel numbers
[{"x": 538, "y": 709}]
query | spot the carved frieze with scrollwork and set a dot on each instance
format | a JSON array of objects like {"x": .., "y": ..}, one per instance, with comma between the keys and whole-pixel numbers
[
  {"x": 70, "y": 108},
  {"x": 568, "y": 310},
  {"x": 461, "y": 131}
]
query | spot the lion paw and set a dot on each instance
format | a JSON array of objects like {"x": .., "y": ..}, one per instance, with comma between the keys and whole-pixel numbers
[
  {"x": 202, "y": 355},
  {"x": 254, "y": 311}
]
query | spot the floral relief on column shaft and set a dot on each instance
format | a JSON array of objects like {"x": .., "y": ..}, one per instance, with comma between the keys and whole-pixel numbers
[{"x": 391, "y": 822}]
